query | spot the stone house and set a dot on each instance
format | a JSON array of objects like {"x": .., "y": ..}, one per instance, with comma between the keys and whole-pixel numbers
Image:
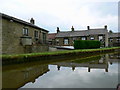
[
  {"x": 51, "y": 39},
  {"x": 114, "y": 39},
  {"x": 66, "y": 38},
  {"x": 19, "y": 36}
]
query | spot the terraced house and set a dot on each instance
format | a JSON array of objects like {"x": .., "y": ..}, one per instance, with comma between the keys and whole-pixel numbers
[
  {"x": 66, "y": 38},
  {"x": 19, "y": 36}
]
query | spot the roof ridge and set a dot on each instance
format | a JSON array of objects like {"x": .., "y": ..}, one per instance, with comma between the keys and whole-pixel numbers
[{"x": 21, "y": 21}]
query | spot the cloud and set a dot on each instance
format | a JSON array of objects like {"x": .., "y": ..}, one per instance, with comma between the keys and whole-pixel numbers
[{"x": 64, "y": 13}]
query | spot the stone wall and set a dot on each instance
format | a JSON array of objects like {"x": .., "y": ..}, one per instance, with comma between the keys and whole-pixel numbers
[
  {"x": 11, "y": 37},
  {"x": 36, "y": 48},
  {"x": 96, "y": 37}
]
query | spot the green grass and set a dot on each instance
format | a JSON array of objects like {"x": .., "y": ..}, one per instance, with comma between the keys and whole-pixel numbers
[{"x": 54, "y": 53}]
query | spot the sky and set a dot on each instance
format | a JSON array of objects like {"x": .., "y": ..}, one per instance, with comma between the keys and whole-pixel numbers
[{"x": 50, "y": 14}]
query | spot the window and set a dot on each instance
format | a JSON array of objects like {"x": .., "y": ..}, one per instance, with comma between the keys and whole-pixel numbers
[
  {"x": 36, "y": 34},
  {"x": 118, "y": 39},
  {"x": 83, "y": 38},
  {"x": 100, "y": 38},
  {"x": 44, "y": 37},
  {"x": 111, "y": 39},
  {"x": 66, "y": 41},
  {"x": 25, "y": 31},
  {"x": 57, "y": 41},
  {"x": 92, "y": 38}
]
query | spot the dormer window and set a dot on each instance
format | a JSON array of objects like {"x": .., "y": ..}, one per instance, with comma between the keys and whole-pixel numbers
[{"x": 25, "y": 31}]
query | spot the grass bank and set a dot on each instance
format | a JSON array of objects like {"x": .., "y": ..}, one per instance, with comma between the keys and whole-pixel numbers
[{"x": 54, "y": 55}]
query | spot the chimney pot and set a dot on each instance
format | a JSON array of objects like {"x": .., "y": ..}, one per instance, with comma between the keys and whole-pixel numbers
[
  {"x": 105, "y": 26},
  {"x": 32, "y": 21},
  {"x": 58, "y": 30},
  {"x": 88, "y": 27},
  {"x": 72, "y": 28}
]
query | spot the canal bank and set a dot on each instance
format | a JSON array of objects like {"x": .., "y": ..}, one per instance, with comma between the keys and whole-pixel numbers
[{"x": 22, "y": 58}]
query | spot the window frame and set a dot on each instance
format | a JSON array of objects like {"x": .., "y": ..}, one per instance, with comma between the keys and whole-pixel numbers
[
  {"x": 36, "y": 34},
  {"x": 92, "y": 37},
  {"x": 25, "y": 31},
  {"x": 66, "y": 42},
  {"x": 83, "y": 38}
]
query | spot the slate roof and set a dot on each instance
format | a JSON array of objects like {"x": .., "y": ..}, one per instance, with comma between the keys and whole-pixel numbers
[
  {"x": 81, "y": 33},
  {"x": 114, "y": 35},
  {"x": 21, "y": 21},
  {"x": 51, "y": 35}
]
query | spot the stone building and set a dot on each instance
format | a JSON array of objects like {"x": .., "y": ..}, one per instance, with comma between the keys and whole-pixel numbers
[
  {"x": 66, "y": 38},
  {"x": 51, "y": 39},
  {"x": 19, "y": 36},
  {"x": 114, "y": 39}
]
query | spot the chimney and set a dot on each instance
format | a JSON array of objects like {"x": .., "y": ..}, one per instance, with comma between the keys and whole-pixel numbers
[
  {"x": 58, "y": 29},
  {"x": 88, "y": 27},
  {"x": 32, "y": 21},
  {"x": 72, "y": 28},
  {"x": 105, "y": 26}
]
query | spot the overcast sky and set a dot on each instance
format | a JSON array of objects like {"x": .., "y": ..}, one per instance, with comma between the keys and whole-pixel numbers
[{"x": 49, "y": 14}]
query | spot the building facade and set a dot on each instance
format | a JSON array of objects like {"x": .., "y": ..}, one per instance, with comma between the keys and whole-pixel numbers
[
  {"x": 19, "y": 36},
  {"x": 66, "y": 38},
  {"x": 51, "y": 39},
  {"x": 114, "y": 39}
]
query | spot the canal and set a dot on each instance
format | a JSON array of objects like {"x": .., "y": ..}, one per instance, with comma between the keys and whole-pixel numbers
[{"x": 99, "y": 71}]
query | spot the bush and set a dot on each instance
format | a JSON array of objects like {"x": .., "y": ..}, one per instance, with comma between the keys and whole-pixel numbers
[{"x": 86, "y": 44}]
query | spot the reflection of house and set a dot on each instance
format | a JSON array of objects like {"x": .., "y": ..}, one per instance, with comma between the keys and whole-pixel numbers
[
  {"x": 97, "y": 64},
  {"x": 16, "y": 78},
  {"x": 66, "y": 38},
  {"x": 19, "y": 36},
  {"x": 114, "y": 58}
]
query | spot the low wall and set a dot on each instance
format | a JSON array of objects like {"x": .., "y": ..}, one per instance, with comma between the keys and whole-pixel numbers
[
  {"x": 18, "y": 49},
  {"x": 56, "y": 56},
  {"x": 36, "y": 48}
]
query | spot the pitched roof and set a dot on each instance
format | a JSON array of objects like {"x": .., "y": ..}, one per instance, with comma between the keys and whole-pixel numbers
[
  {"x": 111, "y": 35},
  {"x": 21, "y": 21},
  {"x": 51, "y": 35},
  {"x": 81, "y": 33}
]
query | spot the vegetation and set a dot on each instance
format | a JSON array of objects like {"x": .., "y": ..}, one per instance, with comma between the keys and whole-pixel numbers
[
  {"x": 56, "y": 53},
  {"x": 86, "y": 44}
]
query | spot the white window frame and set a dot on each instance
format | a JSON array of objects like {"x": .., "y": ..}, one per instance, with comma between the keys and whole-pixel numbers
[
  {"x": 111, "y": 39},
  {"x": 83, "y": 38},
  {"x": 100, "y": 38},
  {"x": 118, "y": 39},
  {"x": 92, "y": 38},
  {"x": 25, "y": 31},
  {"x": 66, "y": 41}
]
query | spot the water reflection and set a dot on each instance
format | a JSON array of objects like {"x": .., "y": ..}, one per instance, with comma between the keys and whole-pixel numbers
[
  {"x": 17, "y": 77},
  {"x": 93, "y": 72},
  {"x": 98, "y": 62}
]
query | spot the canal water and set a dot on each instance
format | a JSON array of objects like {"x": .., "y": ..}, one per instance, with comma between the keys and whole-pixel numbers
[{"x": 99, "y": 71}]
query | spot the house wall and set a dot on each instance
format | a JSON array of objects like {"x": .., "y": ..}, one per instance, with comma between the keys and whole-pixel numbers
[
  {"x": 114, "y": 41},
  {"x": 71, "y": 39},
  {"x": 11, "y": 33}
]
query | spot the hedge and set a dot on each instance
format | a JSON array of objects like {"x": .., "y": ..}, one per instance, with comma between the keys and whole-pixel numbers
[{"x": 86, "y": 44}]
